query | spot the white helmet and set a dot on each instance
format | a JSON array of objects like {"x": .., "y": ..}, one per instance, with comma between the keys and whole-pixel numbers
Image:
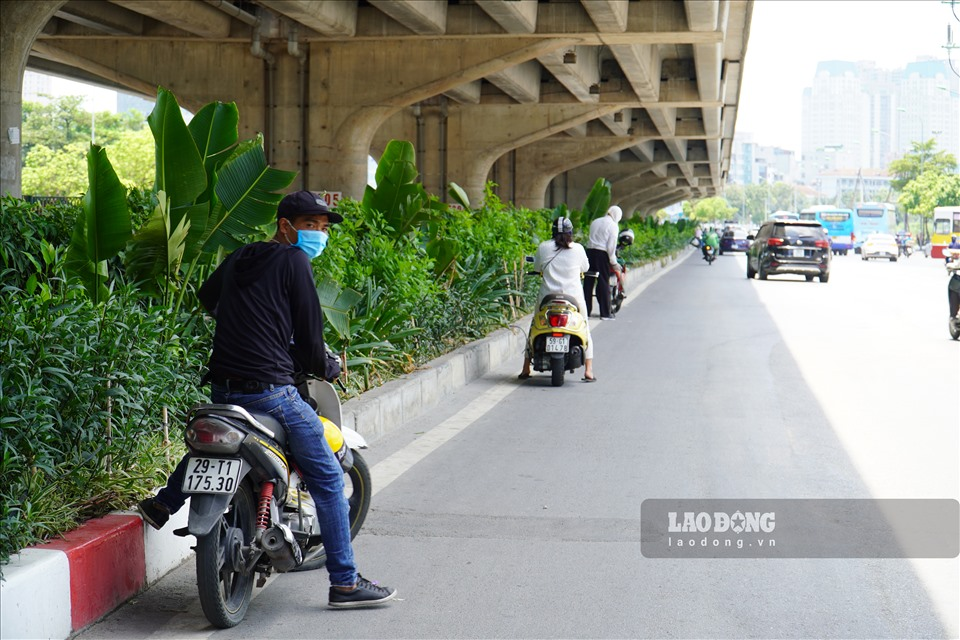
[{"x": 615, "y": 212}]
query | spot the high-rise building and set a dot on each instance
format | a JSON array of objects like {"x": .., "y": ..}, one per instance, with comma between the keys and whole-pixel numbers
[
  {"x": 929, "y": 107},
  {"x": 751, "y": 163},
  {"x": 859, "y": 117},
  {"x": 835, "y": 120}
]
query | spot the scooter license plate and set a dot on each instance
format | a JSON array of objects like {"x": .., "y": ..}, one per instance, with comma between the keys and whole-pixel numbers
[
  {"x": 212, "y": 475},
  {"x": 558, "y": 345}
]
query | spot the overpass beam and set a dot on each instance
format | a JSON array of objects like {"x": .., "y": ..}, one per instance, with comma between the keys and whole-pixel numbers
[
  {"x": 363, "y": 88},
  {"x": 482, "y": 134},
  {"x": 541, "y": 162}
]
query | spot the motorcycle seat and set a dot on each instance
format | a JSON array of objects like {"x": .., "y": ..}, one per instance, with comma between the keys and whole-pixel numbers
[
  {"x": 557, "y": 297},
  {"x": 273, "y": 424}
]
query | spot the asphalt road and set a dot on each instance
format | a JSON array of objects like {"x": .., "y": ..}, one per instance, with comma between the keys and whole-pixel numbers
[{"x": 513, "y": 509}]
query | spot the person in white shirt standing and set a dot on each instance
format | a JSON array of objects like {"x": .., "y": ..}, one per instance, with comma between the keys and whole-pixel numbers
[{"x": 602, "y": 254}]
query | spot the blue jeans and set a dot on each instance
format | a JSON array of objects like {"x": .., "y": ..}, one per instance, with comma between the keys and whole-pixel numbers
[{"x": 318, "y": 467}]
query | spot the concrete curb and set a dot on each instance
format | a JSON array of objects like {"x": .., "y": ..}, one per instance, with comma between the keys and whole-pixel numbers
[{"x": 59, "y": 588}]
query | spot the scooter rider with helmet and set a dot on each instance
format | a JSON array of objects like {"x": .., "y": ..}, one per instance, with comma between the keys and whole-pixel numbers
[
  {"x": 561, "y": 263},
  {"x": 710, "y": 239}
]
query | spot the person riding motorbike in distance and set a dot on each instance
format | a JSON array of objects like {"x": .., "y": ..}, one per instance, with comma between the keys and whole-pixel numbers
[
  {"x": 269, "y": 325},
  {"x": 561, "y": 263},
  {"x": 710, "y": 239}
]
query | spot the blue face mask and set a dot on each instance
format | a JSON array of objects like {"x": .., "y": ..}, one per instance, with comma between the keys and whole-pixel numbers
[{"x": 312, "y": 242}]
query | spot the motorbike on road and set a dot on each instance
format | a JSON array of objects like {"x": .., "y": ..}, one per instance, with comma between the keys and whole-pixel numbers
[
  {"x": 558, "y": 339},
  {"x": 617, "y": 292},
  {"x": 709, "y": 253},
  {"x": 249, "y": 510}
]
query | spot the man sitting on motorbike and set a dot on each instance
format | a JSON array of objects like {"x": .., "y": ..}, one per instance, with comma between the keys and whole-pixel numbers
[
  {"x": 710, "y": 240},
  {"x": 269, "y": 324},
  {"x": 561, "y": 262}
]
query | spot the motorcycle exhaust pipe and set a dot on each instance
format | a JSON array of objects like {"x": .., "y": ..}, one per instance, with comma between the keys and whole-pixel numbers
[{"x": 284, "y": 552}]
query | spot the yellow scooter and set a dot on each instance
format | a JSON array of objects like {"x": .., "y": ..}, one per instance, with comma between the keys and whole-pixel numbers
[{"x": 558, "y": 337}]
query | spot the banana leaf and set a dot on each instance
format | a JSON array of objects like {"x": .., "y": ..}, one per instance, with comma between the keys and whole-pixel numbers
[
  {"x": 403, "y": 203},
  {"x": 246, "y": 188},
  {"x": 598, "y": 201},
  {"x": 180, "y": 170},
  {"x": 156, "y": 251},
  {"x": 337, "y": 304},
  {"x": 103, "y": 227},
  {"x": 215, "y": 131},
  {"x": 458, "y": 195}
]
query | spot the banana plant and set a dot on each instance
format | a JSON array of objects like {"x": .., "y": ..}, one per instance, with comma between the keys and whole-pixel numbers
[
  {"x": 597, "y": 202},
  {"x": 403, "y": 202},
  {"x": 217, "y": 193},
  {"x": 102, "y": 228}
]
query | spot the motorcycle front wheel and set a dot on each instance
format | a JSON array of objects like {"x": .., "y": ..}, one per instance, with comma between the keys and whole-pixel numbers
[
  {"x": 224, "y": 587},
  {"x": 955, "y": 328},
  {"x": 358, "y": 488}
]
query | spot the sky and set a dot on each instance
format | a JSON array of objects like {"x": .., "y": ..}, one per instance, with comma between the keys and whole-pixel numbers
[{"x": 789, "y": 37}]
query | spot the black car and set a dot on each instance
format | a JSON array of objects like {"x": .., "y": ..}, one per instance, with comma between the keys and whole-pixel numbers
[{"x": 789, "y": 246}]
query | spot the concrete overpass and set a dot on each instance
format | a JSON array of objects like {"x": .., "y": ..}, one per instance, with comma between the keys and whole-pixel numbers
[{"x": 542, "y": 97}]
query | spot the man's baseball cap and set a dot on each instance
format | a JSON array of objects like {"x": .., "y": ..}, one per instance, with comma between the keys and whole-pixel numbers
[{"x": 306, "y": 203}]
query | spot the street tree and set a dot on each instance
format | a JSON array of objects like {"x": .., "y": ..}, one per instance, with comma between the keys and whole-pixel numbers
[
  {"x": 928, "y": 191},
  {"x": 923, "y": 157},
  {"x": 712, "y": 210}
]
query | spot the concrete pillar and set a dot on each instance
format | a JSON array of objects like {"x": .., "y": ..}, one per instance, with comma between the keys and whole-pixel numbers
[{"x": 20, "y": 23}]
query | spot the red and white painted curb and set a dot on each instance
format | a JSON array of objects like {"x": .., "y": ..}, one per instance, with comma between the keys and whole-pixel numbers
[{"x": 55, "y": 589}]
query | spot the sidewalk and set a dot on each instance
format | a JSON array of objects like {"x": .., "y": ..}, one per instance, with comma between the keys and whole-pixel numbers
[{"x": 55, "y": 589}]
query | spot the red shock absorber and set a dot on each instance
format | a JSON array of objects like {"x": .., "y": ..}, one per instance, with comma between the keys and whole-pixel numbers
[{"x": 263, "y": 509}]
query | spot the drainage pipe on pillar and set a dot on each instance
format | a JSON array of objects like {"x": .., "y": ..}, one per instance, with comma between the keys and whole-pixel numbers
[
  {"x": 443, "y": 147},
  {"x": 513, "y": 175},
  {"x": 293, "y": 48},
  {"x": 421, "y": 153},
  {"x": 257, "y": 50}
]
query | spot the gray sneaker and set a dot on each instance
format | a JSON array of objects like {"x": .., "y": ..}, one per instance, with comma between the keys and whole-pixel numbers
[{"x": 365, "y": 594}]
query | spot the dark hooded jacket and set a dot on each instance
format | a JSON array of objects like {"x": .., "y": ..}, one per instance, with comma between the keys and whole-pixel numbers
[{"x": 263, "y": 298}]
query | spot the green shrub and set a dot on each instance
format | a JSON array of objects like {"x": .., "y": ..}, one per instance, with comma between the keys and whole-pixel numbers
[{"x": 82, "y": 392}]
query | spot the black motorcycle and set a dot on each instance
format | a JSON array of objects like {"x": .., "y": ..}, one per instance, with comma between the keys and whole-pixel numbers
[{"x": 249, "y": 510}]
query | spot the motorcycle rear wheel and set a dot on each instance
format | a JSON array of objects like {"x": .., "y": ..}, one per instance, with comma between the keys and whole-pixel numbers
[
  {"x": 556, "y": 372},
  {"x": 955, "y": 328},
  {"x": 357, "y": 482},
  {"x": 224, "y": 588}
]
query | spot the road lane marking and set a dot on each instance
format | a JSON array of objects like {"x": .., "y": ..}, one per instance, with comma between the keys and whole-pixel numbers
[{"x": 389, "y": 469}]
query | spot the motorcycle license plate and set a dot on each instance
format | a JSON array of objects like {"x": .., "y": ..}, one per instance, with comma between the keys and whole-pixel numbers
[
  {"x": 212, "y": 475},
  {"x": 558, "y": 345}
]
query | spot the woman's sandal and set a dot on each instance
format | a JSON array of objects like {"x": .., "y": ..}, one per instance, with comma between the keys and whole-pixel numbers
[
  {"x": 523, "y": 376},
  {"x": 586, "y": 379}
]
